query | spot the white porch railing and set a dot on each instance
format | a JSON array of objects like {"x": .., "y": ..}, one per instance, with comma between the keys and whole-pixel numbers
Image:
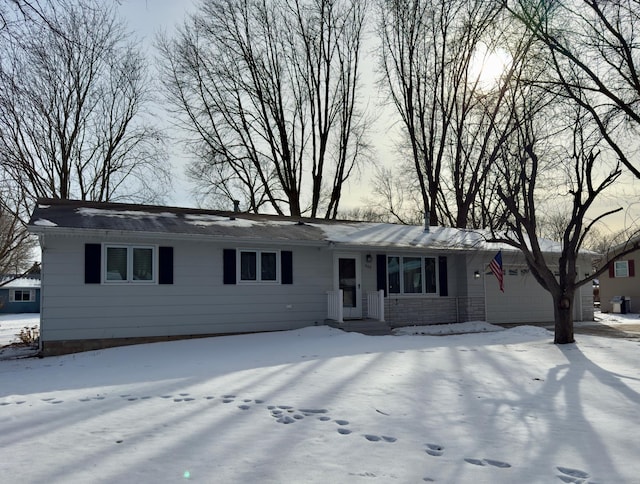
[
  {"x": 375, "y": 305},
  {"x": 334, "y": 305}
]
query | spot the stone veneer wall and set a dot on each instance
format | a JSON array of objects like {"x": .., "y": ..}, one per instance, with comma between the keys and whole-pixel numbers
[
  {"x": 409, "y": 311},
  {"x": 471, "y": 309}
]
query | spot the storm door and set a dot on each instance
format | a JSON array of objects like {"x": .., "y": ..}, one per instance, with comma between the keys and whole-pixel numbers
[{"x": 347, "y": 269}]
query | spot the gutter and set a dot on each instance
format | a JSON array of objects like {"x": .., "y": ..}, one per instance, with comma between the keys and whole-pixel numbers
[{"x": 155, "y": 236}]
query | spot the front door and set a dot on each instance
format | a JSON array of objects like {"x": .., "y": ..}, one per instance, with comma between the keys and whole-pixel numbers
[{"x": 347, "y": 269}]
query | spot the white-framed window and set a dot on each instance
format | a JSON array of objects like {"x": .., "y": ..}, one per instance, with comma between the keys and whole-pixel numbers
[
  {"x": 621, "y": 268},
  {"x": 22, "y": 295},
  {"x": 259, "y": 265},
  {"x": 129, "y": 263},
  {"x": 412, "y": 275}
]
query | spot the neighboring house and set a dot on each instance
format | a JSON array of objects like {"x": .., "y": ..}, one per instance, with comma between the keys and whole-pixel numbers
[
  {"x": 620, "y": 280},
  {"x": 20, "y": 295},
  {"x": 116, "y": 274}
]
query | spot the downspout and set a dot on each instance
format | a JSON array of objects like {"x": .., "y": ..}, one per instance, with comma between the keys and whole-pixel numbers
[
  {"x": 42, "y": 248},
  {"x": 484, "y": 290}
]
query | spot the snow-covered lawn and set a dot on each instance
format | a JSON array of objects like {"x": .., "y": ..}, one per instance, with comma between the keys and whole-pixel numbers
[
  {"x": 319, "y": 405},
  {"x": 11, "y": 324}
]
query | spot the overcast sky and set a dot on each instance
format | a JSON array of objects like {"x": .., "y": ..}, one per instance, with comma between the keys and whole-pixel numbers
[{"x": 146, "y": 18}]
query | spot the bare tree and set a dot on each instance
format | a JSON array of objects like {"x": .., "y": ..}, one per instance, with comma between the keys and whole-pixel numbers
[
  {"x": 454, "y": 123},
  {"x": 397, "y": 195},
  {"x": 569, "y": 169},
  {"x": 72, "y": 95},
  {"x": 268, "y": 91},
  {"x": 594, "y": 48},
  {"x": 16, "y": 244}
]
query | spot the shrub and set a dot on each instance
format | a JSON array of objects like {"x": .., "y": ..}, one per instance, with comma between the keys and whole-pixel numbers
[{"x": 29, "y": 335}]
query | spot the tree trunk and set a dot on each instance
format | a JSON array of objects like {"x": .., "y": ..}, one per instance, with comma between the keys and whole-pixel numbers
[{"x": 563, "y": 313}]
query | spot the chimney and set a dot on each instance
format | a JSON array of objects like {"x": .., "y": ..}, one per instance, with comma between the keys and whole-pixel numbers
[
  {"x": 236, "y": 205},
  {"x": 426, "y": 221}
]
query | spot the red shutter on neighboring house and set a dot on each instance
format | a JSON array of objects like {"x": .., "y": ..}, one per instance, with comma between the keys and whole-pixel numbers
[
  {"x": 612, "y": 271},
  {"x": 632, "y": 268}
]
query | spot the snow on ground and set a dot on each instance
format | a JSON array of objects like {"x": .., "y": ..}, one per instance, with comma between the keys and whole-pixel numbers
[
  {"x": 442, "y": 329},
  {"x": 10, "y": 327},
  {"x": 612, "y": 319},
  {"x": 319, "y": 405}
]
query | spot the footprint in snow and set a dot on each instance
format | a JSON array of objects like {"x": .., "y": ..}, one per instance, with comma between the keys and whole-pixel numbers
[
  {"x": 312, "y": 411},
  {"x": 497, "y": 463},
  {"x": 435, "y": 450},
  {"x": 572, "y": 475},
  {"x": 491, "y": 462},
  {"x": 378, "y": 438},
  {"x": 285, "y": 419}
]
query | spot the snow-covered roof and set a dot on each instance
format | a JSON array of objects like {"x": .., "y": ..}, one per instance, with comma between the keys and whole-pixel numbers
[
  {"x": 20, "y": 283},
  {"x": 65, "y": 215}
]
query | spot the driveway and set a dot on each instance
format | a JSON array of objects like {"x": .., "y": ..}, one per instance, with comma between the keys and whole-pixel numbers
[{"x": 625, "y": 326}]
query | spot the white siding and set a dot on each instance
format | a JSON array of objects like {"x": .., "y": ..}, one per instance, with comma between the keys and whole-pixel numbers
[
  {"x": 524, "y": 300},
  {"x": 196, "y": 303}
]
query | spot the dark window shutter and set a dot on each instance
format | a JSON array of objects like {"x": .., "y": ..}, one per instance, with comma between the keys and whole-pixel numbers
[
  {"x": 229, "y": 266},
  {"x": 92, "y": 257},
  {"x": 381, "y": 272},
  {"x": 442, "y": 276},
  {"x": 632, "y": 268},
  {"x": 286, "y": 267},
  {"x": 612, "y": 270},
  {"x": 165, "y": 265}
]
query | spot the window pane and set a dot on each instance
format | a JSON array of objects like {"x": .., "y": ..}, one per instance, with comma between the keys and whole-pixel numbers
[
  {"x": 268, "y": 266},
  {"x": 430, "y": 275},
  {"x": 412, "y": 271},
  {"x": 393, "y": 271},
  {"x": 142, "y": 264},
  {"x": 622, "y": 268},
  {"x": 247, "y": 266},
  {"x": 116, "y": 263}
]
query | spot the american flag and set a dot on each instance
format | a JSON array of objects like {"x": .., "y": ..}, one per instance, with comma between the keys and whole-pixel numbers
[{"x": 496, "y": 267}]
